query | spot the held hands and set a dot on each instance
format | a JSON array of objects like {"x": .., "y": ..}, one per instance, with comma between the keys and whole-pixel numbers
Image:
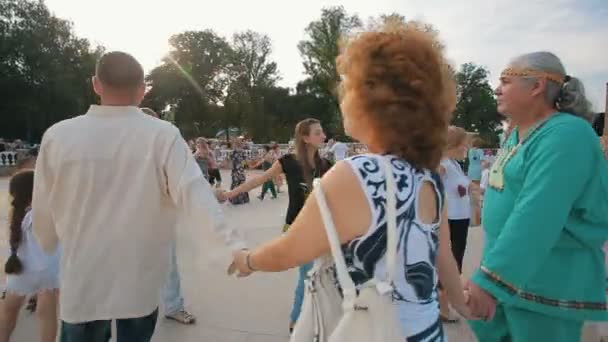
[
  {"x": 222, "y": 195},
  {"x": 480, "y": 303},
  {"x": 241, "y": 264}
]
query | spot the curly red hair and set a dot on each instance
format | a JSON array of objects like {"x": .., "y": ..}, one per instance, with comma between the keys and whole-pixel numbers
[{"x": 404, "y": 91}]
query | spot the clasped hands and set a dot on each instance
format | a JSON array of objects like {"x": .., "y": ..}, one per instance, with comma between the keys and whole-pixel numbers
[
  {"x": 241, "y": 263},
  {"x": 222, "y": 195},
  {"x": 480, "y": 305}
]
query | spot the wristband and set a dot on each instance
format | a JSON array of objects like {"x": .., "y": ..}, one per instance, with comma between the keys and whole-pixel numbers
[{"x": 248, "y": 262}]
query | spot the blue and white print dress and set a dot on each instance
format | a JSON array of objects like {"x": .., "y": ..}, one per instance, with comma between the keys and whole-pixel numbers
[{"x": 416, "y": 277}]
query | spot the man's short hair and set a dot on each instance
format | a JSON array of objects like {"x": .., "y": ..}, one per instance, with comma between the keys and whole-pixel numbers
[{"x": 119, "y": 70}]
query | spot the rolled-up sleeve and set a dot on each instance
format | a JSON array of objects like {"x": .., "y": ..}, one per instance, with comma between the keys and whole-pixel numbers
[{"x": 191, "y": 192}]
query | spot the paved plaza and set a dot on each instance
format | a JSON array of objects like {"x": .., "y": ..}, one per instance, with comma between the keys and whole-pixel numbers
[{"x": 254, "y": 309}]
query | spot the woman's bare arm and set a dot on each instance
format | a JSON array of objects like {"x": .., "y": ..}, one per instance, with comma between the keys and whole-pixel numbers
[
  {"x": 448, "y": 269},
  {"x": 253, "y": 183},
  {"x": 306, "y": 239}
]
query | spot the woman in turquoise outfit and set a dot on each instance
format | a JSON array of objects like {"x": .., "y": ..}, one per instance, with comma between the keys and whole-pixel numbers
[
  {"x": 475, "y": 155},
  {"x": 545, "y": 212}
]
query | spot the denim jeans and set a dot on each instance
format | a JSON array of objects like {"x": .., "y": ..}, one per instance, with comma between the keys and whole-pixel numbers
[
  {"x": 299, "y": 293},
  {"x": 127, "y": 330},
  {"x": 171, "y": 293}
]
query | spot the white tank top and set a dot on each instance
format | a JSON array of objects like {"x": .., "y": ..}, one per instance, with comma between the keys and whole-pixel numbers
[{"x": 459, "y": 208}]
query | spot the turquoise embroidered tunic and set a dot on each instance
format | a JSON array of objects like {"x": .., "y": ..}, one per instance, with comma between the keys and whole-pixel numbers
[{"x": 545, "y": 228}]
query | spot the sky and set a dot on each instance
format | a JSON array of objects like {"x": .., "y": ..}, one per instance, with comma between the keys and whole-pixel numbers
[{"x": 488, "y": 33}]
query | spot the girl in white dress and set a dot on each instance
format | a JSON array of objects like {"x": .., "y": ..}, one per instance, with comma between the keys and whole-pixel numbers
[{"x": 29, "y": 270}]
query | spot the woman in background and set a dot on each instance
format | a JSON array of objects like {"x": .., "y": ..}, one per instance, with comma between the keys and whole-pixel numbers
[
  {"x": 266, "y": 163},
  {"x": 201, "y": 155},
  {"x": 300, "y": 169},
  {"x": 215, "y": 176},
  {"x": 238, "y": 159}
]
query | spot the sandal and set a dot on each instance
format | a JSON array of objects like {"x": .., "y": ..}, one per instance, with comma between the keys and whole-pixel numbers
[{"x": 183, "y": 317}]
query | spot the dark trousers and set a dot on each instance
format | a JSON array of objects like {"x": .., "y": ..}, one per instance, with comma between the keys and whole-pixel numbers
[
  {"x": 215, "y": 176},
  {"x": 127, "y": 330},
  {"x": 269, "y": 185},
  {"x": 459, "y": 231}
]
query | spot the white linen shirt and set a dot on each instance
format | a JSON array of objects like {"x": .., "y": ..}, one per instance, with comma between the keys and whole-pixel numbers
[{"x": 108, "y": 186}]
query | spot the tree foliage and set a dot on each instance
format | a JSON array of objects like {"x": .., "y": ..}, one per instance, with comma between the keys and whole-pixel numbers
[
  {"x": 206, "y": 82},
  {"x": 319, "y": 50},
  {"x": 476, "y": 106},
  {"x": 192, "y": 81},
  {"x": 45, "y": 69}
]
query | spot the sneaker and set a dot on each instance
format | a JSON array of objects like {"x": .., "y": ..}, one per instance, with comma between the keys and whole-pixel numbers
[{"x": 183, "y": 317}]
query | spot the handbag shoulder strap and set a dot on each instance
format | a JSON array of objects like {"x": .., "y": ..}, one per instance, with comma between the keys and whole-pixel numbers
[
  {"x": 391, "y": 219},
  {"x": 346, "y": 282}
]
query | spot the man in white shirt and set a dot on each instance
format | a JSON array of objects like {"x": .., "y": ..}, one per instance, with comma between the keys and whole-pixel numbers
[
  {"x": 108, "y": 186},
  {"x": 339, "y": 150}
]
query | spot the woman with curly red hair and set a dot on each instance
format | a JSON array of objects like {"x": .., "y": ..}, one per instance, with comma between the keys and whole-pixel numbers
[{"x": 397, "y": 95}]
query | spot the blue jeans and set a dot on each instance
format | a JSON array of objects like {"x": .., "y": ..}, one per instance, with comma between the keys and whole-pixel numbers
[
  {"x": 171, "y": 293},
  {"x": 299, "y": 293},
  {"x": 127, "y": 330}
]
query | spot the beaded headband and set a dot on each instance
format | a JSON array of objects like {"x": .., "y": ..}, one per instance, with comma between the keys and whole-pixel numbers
[{"x": 560, "y": 79}]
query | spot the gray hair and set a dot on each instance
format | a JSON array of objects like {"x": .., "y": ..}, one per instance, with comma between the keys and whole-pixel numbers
[{"x": 568, "y": 97}]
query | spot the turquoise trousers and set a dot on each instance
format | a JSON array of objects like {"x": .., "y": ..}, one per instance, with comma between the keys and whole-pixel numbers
[{"x": 511, "y": 324}]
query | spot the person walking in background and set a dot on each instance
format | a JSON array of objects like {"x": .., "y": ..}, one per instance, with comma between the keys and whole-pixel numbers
[
  {"x": 266, "y": 163},
  {"x": 457, "y": 187},
  {"x": 339, "y": 150},
  {"x": 457, "y": 192},
  {"x": 300, "y": 169},
  {"x": 30, "y": 272},
  {"x": 201, "y": 155},
  {"x": 276, "y": 155},
  {"x": 485, "y": 176},
  {"x": 215, "y": 176},
  {"x": 238, "y": 159},
  {"x": 116, "y": 220},
  {"x": 475, "y": 156}
]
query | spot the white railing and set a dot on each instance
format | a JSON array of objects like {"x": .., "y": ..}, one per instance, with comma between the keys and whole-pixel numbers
[
  {"x": 257, "y": 151},
  {"x": 8, "y": 158}
]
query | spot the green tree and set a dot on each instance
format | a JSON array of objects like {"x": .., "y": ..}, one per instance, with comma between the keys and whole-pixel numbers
[
  {"x": 45, "y": 69},
  {"x": 376, "y": 23},
  {"x": 476, "y": 106},
  {"x": 252, "y": 74},
  {"x": 192, "y": 81},
  {"x": 320, "y": 49}
]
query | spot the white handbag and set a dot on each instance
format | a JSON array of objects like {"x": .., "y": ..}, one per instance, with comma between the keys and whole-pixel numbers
[
  {"x": 322, "y": 304},
  {"x": 368, "y": 315}
]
